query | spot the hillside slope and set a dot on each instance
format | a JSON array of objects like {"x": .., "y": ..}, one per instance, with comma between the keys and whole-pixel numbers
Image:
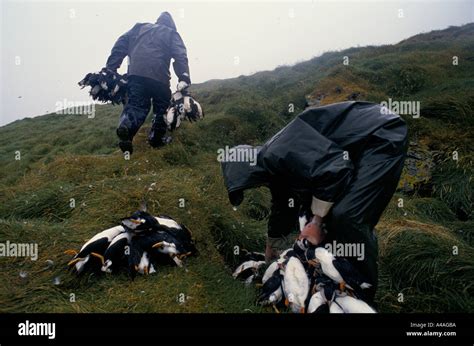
[{"x": 67, "y": 156}]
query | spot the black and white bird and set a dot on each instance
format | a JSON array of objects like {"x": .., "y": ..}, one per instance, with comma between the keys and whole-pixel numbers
[
  {"x": 271, "y": 292},
  {"x": 179, "y": 231},
  {"x": 248, "y": 271},
  {"x": 351, "y": 305},
  {"x": 324, "y": 290},
  {"x": 106, "y": 86},
  {"x": 117, "y": 253},
  {"x": 318, "y": 283},
  {"x": 296, "y": 285},
  {"x": 326, "y": 286},
  {"x": 140, "y": 221},
  {"x": 91, "y": 253},
  {"x": 182, "y": 107},
  {"x": 304, "y": 216},
  {"x": 274, "y": 266},
  {"x": 158, "y": 240},
  {"x": 146, "y": 266},
  {"x": 335, "y": 308},
  {"x": 138, "y": 260},
  {"x": 339, "y": 269},
  {"x": 141, "y": 243},
  {"x": 318, "y": 304}
]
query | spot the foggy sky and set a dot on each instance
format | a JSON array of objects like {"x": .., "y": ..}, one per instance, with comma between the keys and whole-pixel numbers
[{"x": 58, "y": 42}]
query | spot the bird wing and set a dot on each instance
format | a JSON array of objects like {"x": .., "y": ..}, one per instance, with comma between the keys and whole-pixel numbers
[
  {"x": 270, "y": 271},
  {"x": 352, "y": 305},
  {"x": 296, "y": 281},
  {"x": 99, "y": 245},
  {"x": 269, "y": 287},
  {"x": 315, "y": 302},
  {"x": 349, "y": 273},
  {"x": 109, "y": 233},
  {"x": 330, "y": 271},
  {"x": 243, "y": 267},
  {"x": 167, "y": 221},
  {"x": 117, "y": 246}
]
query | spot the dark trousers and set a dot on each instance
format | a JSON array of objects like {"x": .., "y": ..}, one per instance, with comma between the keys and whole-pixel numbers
[
  {"x": 142, "y": 94},
  {"x": 353, "y": 218}
]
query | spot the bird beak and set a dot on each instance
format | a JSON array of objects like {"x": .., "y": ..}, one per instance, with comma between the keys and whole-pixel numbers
[
  {"x": 74, "y": 261},
  {"x": 99, "y": 256},
  {"x": 70, "y": 252},
  {"x": 160, "y": 244},
  {"x": 136, "y": 222}
]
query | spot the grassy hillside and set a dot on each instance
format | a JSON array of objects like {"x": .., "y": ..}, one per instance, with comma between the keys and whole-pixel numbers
[{"x": 67, "y": 156}]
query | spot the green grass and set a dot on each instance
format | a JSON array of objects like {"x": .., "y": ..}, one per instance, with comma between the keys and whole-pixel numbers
[{"x": 66, "y": 157}]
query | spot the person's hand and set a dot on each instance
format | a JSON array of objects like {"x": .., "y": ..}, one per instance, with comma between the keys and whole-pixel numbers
[
  {"x": 312, "y": 232},
  {"x": 182, "y": 86}
]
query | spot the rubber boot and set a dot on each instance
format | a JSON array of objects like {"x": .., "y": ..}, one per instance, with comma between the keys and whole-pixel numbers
[
  {"x": 125, "y": 143},
  {"x": 157, "y": 136}
]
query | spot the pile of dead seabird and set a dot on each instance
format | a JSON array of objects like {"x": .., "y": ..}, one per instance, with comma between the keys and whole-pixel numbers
[
  {"x": 141, "y": 244},
  {"x": 306, "y": 279},
  {"x": 106, "y": 86}
]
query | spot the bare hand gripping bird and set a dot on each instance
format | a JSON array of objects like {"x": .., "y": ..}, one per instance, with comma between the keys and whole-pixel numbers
[
  {"x": 150, "y": 48},
  {"x": 334, "y": 169}
]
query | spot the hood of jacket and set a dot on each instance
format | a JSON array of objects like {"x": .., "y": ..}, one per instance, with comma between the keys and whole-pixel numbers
[
  {"x": 240, "y": 175},
  {"x": 166, "y": 20}
]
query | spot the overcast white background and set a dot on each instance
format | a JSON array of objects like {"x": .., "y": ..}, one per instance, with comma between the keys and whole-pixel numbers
[{"x": 58, "y": 42}]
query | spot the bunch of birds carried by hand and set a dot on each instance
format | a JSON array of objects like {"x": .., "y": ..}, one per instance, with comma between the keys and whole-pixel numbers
[
  {"x": 141, "y": 244},
  {"x": 106, "y": 86},
  {"x": 110, "y": 86},
  {"x": 182, "y": 107},
  {"x": 306, "y": 279}
]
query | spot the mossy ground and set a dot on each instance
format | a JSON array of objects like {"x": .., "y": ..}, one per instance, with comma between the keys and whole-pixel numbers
[{"x": 66, "y": 157}]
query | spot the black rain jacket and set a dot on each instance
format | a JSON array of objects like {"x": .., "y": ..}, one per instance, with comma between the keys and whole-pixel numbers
[
  {"x": 150, "y": 48},
  {"x": 318, "y": 151}
]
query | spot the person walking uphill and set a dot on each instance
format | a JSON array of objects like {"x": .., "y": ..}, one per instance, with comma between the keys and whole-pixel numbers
[
  {"x": 150, "y": 48},
  {"x": 340, "y": 164}
]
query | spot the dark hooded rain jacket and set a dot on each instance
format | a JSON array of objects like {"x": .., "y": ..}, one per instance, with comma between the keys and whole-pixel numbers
[
  {"x": 319, "y": 151},
  {"x": 150, "y": 48}
]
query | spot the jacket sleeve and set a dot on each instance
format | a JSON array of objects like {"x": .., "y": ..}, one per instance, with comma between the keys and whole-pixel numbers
[
  {"x": 119, "y": 51},
  {"x": 332, "y": 173},
  {"x": 179, "y": 54},
  {"x": 308, "y": 159}
]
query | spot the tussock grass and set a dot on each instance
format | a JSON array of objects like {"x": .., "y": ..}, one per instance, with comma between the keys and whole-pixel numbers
[
  {"x": 64, "y": 157},
  {"x": 418, "y": 260}
]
